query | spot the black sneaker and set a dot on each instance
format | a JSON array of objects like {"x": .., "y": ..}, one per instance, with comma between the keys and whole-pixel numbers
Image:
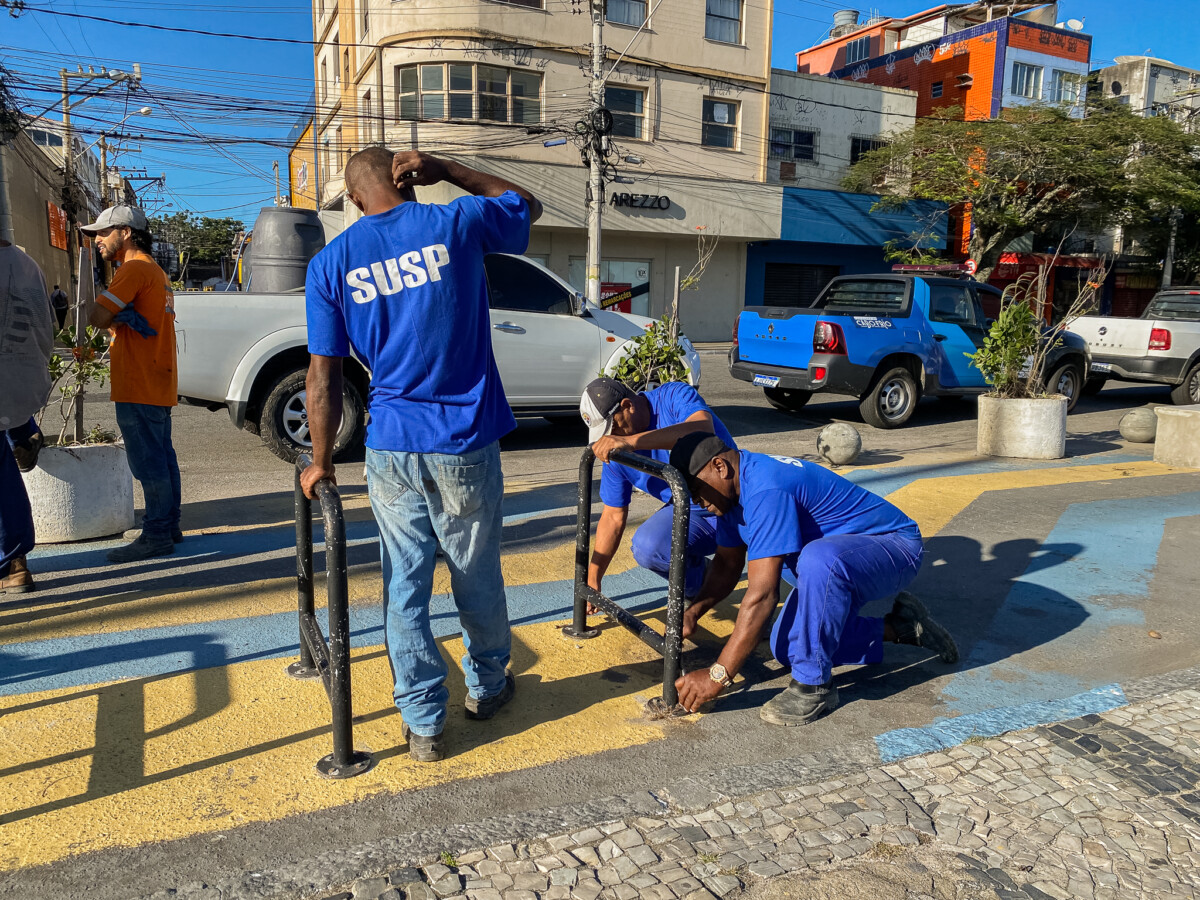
[
  {"x": 26, "y": 452},
  {"x": 799, "y": 704},
  {"x": 143, "y": 548},
  {"x": 134, "y": 533},
  {"x": 914, "y": 625},
  {"x": 422, "y": 748},
  {"x": 488, "y": 707}
]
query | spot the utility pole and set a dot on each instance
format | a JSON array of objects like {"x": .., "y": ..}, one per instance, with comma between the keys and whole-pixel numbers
[
  {"x": 105, "y": 267},
  {"x": 595, "y": 195},
  {"x": 275, "y": 166},
  {"x": 1169, "y": 260}
]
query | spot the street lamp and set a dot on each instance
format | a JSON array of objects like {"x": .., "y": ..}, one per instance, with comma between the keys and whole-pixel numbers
[{"x": 144, "y": 111}]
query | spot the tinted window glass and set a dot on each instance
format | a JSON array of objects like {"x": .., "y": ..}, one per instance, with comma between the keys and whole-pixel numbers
[
  {"x": 865, "y": 295},
  {"x": 515, "y": 284},
  {"x": 1175, "y": 306},
  {"x": 951, "y": 304}
]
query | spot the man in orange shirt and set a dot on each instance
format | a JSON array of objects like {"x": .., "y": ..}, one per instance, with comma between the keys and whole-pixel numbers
[{"x": 138, "y": 310}]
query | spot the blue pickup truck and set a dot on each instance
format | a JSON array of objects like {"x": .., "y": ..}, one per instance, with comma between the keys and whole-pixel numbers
[{"x": 886, "y": 340}]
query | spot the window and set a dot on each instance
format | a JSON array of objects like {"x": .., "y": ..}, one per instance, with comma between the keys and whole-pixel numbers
[
  {"x": 799, "y": 144},
  {"x": 857, "y": 51},
  {"x": 516, "y": 285},
  {"x": 877, "y": 296},
  {"x": 1027, "y": 81},
  {"x": 628, "y": 108},
  {"x": 467, "y": 91},
  {"x": 626, "y": 12},
  {"x": 861, "y": 145},
  {"x": 324, "y": 79},
  {"x": 367, "y": 115},
  {"x": 723, "y": 21},
  {"x": 346, "y": 66},
  {"x": 365, "y": 20},
  {"x": 719, "y": 127},
  {"x": 935, "y": 90},
  {"x": 952, "y": 305},
  {"x": 333, "y": 62},
  {"x": 1064, "y": 87}
]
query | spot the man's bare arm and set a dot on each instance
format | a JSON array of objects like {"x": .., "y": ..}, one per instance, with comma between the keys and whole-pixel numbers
[
  {"x": 658, "y": 439},
  {"x": 608, "y": 538},
  {"x": 323, "y": 403},
  {"x": 411, "y": 167}
]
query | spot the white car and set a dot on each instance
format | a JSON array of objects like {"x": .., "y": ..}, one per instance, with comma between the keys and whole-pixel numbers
[{"x": 248, "y": 353}]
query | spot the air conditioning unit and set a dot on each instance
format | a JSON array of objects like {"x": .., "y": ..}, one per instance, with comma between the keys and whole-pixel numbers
[{"x": 965, "y": 80}]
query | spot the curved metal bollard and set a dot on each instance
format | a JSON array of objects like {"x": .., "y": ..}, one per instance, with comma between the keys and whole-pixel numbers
[
  {"x": 329, "y": 662},
  {"x": 669, "y": 644}
]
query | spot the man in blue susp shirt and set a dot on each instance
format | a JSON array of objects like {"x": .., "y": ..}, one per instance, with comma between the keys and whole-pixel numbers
[
  {"x": 649, "y": 423},
  {"x": 842, "y": 547},
  {"x": 404, "y": 287}
]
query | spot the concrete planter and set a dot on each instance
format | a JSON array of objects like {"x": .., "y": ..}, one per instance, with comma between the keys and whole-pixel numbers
[
  {"x": 80, "y": 492},
  {"x": 1178, "y": 439},
  {"x": 1027, "y": 429}
]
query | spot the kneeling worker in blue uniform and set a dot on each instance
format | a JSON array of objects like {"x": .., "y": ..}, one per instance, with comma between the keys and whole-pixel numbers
[
  {"x": 842, "y": 547},
  {"x": 648, "y": 423}
]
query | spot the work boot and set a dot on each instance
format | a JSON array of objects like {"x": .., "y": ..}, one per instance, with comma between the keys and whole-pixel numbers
[
  {"x": 422, "y": 748},
  {"x": 18, "y": 580},
  {"x": 799, "y": 704},
  {"x": 143, "y": 548},
  {"x": 26, "y": 452},
  {"x": 134, "y": 533},
  {"x": 913, "y": 625},
  {"x": 485, "y": 709}
]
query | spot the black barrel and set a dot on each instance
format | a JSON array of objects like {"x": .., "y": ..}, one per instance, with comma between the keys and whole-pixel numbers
[{"x": 284, "y": 240}]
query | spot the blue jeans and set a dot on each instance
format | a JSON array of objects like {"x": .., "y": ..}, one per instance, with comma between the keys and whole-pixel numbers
[
  {"x": 16, "y": 517},
  {"x": 819, "y": 626},
  {"x": 421, "y": 500},
  {"x": 147, "y": 433},
  {"x": 651, "y": 545}
]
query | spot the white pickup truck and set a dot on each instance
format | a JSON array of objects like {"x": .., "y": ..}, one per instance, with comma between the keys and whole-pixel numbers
[
  {"x": 1161, "y": 347},
  {"x": 248, "y": 353}
]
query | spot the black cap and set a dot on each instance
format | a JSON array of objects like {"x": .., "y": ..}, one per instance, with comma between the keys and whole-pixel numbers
[
  {"x": 694, "y": 451},
  {"x": 599, "y": 401}
]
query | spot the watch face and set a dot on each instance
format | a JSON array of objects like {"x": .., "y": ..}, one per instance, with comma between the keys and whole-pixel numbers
[{"x": 718, "y": 673}]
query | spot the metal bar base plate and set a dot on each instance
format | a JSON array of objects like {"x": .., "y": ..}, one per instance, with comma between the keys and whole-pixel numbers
[
  {"x": 359, "y": 762},
  {"x": 585, "y": 635},
  {"x": 301, "y": 672},
  {"x": 656, "y": 708}
]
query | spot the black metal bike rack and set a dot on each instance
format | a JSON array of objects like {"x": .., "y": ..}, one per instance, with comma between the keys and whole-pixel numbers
[
  {"x": 668, "y": 645},
  {"x": 329, "y": 662}
]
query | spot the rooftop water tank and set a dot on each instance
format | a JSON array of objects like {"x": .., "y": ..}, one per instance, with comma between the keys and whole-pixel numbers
[
  {"x": 845, "y": 17},
  {"x": 285, "y": 240}
]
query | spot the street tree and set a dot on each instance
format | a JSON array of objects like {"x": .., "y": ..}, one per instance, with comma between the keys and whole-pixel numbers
[
  {"x": 198, "y": 240},
  {"x": 1036, "y": 170}
]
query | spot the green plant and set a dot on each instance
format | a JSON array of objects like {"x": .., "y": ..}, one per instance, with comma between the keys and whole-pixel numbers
[
  {"x": 654, "y": 357},
  {"x": 72, "y": 370},
  {"x": 448, "y": 860}
]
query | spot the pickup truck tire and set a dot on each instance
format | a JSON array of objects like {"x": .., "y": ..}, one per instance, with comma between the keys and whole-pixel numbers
[
  {"x": 284, "y": 420},
  {"x": 1093, "y": 386},
  {"x": 786, "y": 399},
  {"x": 1188, "y": 391},
  {"x": 1067, "y": 380},
  {"x": 891, "y": 399}
]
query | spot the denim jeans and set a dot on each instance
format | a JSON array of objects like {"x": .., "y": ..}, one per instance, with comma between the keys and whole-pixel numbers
[
  {"x": 651, "y": 545},
  {"x": 421, "y": 500},
  {"x": 147, "y": 433},
  {"x": 16, "y": 517},
  {"x": 819, "y": 626}
]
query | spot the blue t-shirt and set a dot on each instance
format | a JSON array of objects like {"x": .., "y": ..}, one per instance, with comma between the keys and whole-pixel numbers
[
  {"x": 785, "y": 503},
  {"x": 406, "y": 289},
  {"x": 670, "y": 404}
]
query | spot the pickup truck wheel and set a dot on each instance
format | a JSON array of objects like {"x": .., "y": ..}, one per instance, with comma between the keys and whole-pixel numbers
[
  {"x": 786, "y": 399},
  {"x": 1093, "y": 386},
  {"x": 1067, "y": 380},
  {"x": 892, "y": 399},
  {"x": 284, "y": 420},
  {"x": 1188, "y": 391}
]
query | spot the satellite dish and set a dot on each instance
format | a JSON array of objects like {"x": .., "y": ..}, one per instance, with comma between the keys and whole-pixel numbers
[{"x": 1075, "y": 24}]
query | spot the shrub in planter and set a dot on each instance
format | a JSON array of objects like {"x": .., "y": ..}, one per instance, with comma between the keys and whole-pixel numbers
[{"x": 655, "y": 357}]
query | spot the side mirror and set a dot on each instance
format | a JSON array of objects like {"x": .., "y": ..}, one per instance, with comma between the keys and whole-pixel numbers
[{"x": 579, "y": 304}]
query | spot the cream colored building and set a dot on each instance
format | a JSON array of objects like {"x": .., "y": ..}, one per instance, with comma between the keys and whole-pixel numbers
[{"x": 491, "y": 82}]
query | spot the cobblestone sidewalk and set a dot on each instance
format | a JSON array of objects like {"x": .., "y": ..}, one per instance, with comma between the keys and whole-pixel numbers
[{"x": 1104, "y": 806}]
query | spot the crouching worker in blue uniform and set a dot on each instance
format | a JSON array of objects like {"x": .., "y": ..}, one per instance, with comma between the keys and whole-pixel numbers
[
  {"x": 842, "y": 547},
  {"x": 648, "y": 423}
]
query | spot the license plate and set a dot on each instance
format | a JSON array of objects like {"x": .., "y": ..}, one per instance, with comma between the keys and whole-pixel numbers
[
  {"x": 767, "y": 380},
  {"x": 1101, "y": 367}
]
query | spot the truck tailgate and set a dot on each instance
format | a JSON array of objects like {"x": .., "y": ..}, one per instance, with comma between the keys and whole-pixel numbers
[
  {"x": 1108, "y": 336},
  {"x": 776, "y": 336}
]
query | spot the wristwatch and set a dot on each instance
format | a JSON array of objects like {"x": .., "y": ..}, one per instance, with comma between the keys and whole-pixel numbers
[{"x": 718, "y": 674}]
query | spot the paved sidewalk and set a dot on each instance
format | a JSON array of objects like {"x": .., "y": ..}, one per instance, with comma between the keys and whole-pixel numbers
[{"x": 1101, "y": 806}]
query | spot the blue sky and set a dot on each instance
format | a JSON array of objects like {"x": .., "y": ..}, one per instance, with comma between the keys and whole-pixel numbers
[{"x": 238, "y": 91}]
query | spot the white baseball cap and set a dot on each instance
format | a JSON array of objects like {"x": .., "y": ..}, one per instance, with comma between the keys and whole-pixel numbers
[
  {"x": 599, "y": 402},
  {"x": 118, "y": 217}
]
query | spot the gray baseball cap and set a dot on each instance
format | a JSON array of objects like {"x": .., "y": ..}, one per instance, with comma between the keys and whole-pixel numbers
[{"x": 118, "y": 217}]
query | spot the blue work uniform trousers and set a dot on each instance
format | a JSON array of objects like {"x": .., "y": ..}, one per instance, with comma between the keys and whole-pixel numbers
[
  {"x": 819, "y": 626},
  {"x": 421, "y": 500},
  {"x": 651, "y": 545},
  {"x": 146, "y": 430},
  {"x": 16, "y": 516}
]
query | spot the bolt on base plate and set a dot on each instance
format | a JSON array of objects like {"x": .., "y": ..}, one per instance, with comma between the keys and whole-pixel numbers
[
  {"x": 302, "y": 672},
  {"x": 359, "y": 763},
  {"x": 585, "y": 635},
  {"x": 656, "y": 708}
]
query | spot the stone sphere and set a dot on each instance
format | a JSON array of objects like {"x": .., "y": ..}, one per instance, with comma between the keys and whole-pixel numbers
[
  {"x": 839, "y": 444},
  {"x": 1139, "y": 426}
]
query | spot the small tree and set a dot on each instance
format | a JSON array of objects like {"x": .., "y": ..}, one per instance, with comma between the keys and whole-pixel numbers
[
  {"x": 69, "y": 375},
  {"x": 1036, "y": 170}
]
